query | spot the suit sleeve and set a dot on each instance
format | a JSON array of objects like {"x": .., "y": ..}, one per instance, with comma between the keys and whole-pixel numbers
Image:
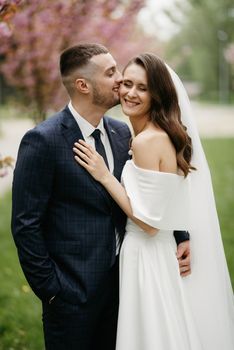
[
  {"x": 32, "y": 186},
  {"x": 181, "y": 236}
]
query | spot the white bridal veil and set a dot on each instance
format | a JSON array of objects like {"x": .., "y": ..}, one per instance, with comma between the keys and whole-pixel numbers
[{"x": 208, "y": 287}]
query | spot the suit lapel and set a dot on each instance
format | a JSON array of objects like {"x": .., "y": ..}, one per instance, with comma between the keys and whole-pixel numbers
[
  {"x": 72, "y": 133},
  {"x": 70, "y": 130}
]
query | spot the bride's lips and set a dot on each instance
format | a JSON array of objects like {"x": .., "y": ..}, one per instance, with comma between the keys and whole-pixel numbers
[{"x": 131, "y": 103}]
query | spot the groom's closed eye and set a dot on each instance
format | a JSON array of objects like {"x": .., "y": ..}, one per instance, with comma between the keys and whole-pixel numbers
[{"x": 111, "y": 71}]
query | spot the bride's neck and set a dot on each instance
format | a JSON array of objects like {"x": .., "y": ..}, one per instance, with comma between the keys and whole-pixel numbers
[{"x": 139, "y": 124}]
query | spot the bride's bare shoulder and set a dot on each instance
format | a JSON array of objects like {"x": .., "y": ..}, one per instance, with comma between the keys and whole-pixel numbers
[
  {"x": 148, "y": 148},
  {"x": 150, "y": 138}
]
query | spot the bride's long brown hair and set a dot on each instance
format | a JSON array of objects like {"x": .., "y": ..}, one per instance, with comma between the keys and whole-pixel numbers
[{"x": 165, "y": 110}]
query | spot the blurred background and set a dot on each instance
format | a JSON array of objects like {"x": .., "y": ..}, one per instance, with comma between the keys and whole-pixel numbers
[{"x": 195, "y": 37}]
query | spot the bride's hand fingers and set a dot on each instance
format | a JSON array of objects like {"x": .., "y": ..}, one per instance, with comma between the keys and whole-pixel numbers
[
  {"x": 83, "y": 149},
  {"x": 86, "y": 145},
  {"x": 82, "y": 155},
  {"x": 82, "y": 163}
]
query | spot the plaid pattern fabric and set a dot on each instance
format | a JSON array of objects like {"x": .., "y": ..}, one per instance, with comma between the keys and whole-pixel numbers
[{"x": 63, "y": 221}]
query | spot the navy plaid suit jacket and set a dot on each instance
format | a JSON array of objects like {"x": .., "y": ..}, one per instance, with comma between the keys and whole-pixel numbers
[{"x": 63, "y": 221}]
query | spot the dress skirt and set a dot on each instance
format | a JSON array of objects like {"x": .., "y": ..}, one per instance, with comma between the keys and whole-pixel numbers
[{"x": 153, "y": 312}]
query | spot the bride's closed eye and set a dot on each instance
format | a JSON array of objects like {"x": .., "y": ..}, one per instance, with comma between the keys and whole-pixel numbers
[
  {"x": 142, "y": 88},
  {"x": 127, "y": 83}
]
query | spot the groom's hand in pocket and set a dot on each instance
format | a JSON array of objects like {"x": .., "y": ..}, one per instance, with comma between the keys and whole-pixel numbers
[{"x": 183, "y": 256}]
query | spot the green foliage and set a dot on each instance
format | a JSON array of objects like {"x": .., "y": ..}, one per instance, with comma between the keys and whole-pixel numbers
[
  {"x": 20, "y": 310},
  {"x": 198, "y": 49}
]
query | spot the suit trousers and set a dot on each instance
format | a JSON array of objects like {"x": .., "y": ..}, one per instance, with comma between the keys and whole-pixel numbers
[{"x": 87, "y": 326}]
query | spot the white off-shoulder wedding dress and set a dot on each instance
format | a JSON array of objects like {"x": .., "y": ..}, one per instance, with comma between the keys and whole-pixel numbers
[{"x": 155, "y": 311}]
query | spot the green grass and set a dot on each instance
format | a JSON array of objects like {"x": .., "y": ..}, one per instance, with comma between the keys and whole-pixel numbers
[
  {"x": 219, "y": 153},
  {"x": 20, "y": 310}
]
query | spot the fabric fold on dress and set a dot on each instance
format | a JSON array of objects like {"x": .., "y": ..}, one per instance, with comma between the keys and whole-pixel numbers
[{"x": 162, "y": 200}]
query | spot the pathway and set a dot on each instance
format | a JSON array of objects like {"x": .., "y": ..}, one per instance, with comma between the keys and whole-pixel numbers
[{"x": 212, "y": 121}]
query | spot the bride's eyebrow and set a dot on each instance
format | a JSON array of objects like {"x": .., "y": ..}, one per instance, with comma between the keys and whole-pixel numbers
[{"x": 127, "y": 80}]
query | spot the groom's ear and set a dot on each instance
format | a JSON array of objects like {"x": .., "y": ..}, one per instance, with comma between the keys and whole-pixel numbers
[{"x": 82, "y": 85}]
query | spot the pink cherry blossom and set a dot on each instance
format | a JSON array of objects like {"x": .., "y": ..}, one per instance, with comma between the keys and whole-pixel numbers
[{"x": 41, "y": 30}]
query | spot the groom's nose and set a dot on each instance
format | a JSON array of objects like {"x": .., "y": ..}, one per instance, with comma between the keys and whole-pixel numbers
[{"x": 119, "y": 77}]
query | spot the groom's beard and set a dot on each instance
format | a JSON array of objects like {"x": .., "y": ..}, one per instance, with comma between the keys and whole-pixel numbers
[{"x": 107, "y": 100}]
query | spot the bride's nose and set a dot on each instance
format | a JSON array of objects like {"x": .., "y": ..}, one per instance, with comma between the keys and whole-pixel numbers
[{"x": 132, "y": 92}]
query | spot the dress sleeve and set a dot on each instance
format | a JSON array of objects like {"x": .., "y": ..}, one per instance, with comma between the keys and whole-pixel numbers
[{"x": 159, "y": 199}]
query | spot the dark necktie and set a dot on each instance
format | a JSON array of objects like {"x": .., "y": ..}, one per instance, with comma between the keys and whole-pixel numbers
[{"x": 99, "y": 145}]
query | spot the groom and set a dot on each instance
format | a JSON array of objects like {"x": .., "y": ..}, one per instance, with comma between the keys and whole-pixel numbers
[{"x": 65, "y": 225}]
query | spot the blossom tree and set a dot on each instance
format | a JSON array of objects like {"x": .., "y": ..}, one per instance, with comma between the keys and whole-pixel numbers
[
  {"x": 8, "y": 9},
  {"x": 40, "y": 31},
  {"x": 5, "y": 163}
]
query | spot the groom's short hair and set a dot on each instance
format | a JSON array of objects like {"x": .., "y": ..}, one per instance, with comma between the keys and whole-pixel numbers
[{"x": 78, "y": 56}]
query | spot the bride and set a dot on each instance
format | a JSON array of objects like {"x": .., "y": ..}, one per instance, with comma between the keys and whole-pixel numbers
[{"x": 166, "y": 186}]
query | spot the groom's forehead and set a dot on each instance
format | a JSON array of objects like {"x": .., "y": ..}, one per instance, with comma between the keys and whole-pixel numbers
[{"x": 103, "y": 62}]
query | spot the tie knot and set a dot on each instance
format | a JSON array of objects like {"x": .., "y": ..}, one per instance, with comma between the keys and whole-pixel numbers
[{"x": 96, "y": 134}]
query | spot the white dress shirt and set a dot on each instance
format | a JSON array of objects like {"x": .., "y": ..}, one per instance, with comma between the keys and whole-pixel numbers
[{"x": 87, "y": 129}]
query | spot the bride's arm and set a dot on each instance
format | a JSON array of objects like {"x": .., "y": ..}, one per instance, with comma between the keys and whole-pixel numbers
[
  {"x": 118, "y": 193},
  {"x": 87, "y": 157}
]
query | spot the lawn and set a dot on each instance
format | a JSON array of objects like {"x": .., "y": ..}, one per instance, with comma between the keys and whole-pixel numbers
[
  {"x": 20, "y": 326},
  {"x": 219, "y": 154},
  {"x": 20, "y": 311}
]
